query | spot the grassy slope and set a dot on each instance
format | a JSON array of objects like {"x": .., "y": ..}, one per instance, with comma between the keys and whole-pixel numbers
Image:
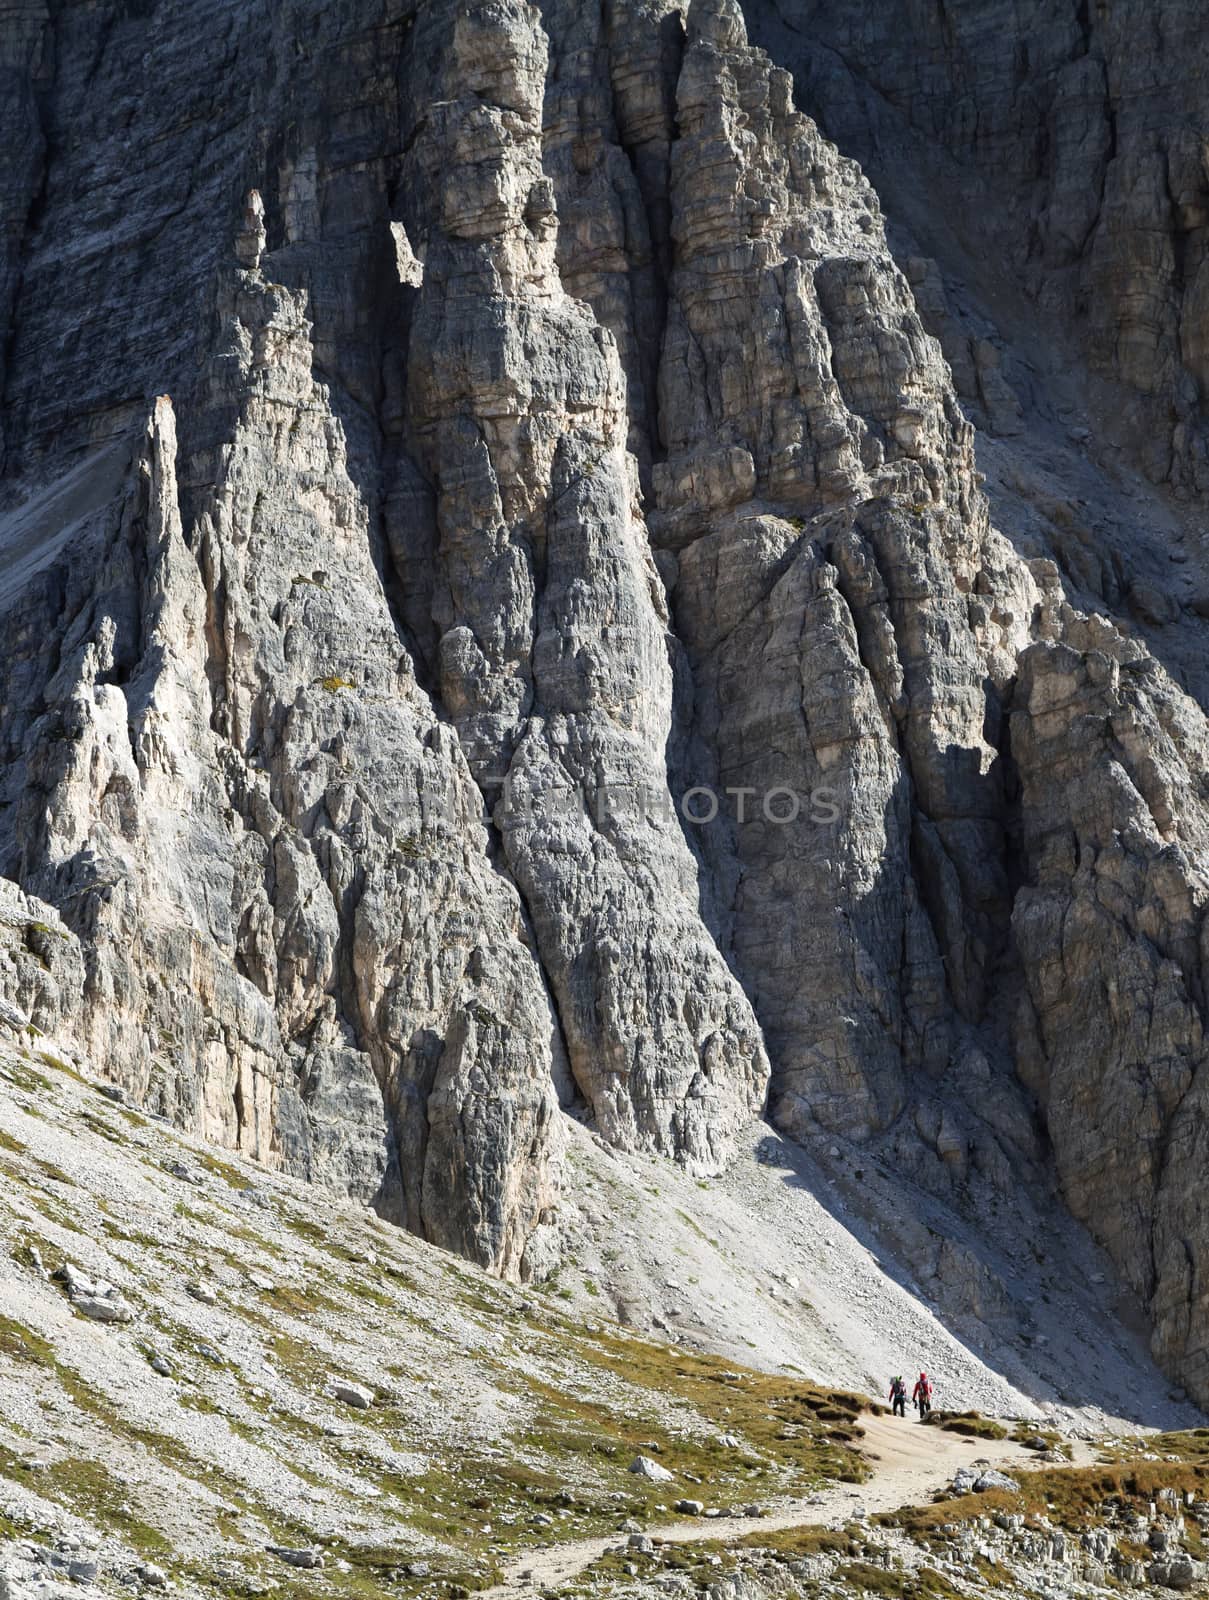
[{"x": 495, "y": 1411}]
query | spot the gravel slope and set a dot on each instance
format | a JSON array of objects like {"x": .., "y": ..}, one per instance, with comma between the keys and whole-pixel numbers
[{"x": 827, "y": 1264}]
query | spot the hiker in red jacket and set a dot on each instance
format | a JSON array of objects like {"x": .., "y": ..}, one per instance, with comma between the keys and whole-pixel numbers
[{"x": 921, "y": 1396}]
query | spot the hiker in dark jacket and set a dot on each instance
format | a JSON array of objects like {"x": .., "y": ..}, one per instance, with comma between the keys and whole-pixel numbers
[{"x": 898, "y": 1396}]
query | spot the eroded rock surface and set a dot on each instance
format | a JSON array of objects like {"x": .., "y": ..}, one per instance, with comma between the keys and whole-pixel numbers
[
  {"x": 554, "y": 646},
  {"x": 1072, "y": 142}
]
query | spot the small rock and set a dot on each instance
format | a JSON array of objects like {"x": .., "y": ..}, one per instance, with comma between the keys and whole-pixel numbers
[
  {"x": 159, "y": 1363},
  {"x": 651, "y": 1470},
  {"x": 417, "y": 1569},
  {"x": 729, "y": 1441},
  {"x": 11, "y": 1017},
  {"x": 110, "y": 1307},
  {"x": 151, "y": 1576},
  {"x": 978, "y": 1480},
  {"x": 114, "y": 1092},
  {"x": 690, "y": 1508},
  {"x": 640, "y": 1542},
  {"x": 297, "y": 1558},
  {"x": 353, "y": 1394}
]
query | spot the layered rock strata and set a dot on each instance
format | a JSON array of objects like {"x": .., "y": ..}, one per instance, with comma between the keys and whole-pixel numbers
[{"x": 553, "y": 645}]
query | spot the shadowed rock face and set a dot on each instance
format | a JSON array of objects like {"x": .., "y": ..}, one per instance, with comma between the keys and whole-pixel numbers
[
  {"x": 1077, "y": 136},
  {"x": 554, "y": 444}
]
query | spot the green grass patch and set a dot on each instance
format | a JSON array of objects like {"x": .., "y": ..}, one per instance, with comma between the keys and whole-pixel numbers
[
  {"x": 812, "y": 1432},
  {"x": 970, "y": 1424},
  {"x": 231, "y": 1176},
  {"x": 90, "y": 1489},
  {"x": 1069, "y": 1497},
  {"x": 20, "y": 1343}
]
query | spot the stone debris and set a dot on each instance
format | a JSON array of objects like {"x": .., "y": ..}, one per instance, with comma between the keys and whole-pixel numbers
[
  {"x": 96, "y": 1299},
  {"x": 978, "y": 1479}
]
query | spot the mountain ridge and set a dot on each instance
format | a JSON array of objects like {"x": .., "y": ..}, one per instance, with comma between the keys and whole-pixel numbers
[{"x": 551, "y": 413}]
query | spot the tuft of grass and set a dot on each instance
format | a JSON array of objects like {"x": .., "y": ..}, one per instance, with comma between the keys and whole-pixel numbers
[
  {"x": 89, "y": 1488},
  {"x": 55, "y": 1174},
  {"x": 298, "y": 1302},
  {"x": 798, "y": 1542},
  {"x": 231, "y": 1176},
  {"x": 20, "y": 1343},
  {"x": 1070, "y": 1497},
  {"x": 333, "y": 683},
  {"x": 970, "y": 1424}
]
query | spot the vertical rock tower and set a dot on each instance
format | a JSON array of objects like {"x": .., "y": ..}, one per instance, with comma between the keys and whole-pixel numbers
[{"x": 553, "y": 436}]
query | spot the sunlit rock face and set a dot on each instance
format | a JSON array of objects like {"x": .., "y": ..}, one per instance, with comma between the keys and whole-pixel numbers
[{"x": 502, "y": 614}]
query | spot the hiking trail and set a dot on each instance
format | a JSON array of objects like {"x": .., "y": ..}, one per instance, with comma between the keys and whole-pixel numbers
[{"x": 910, "y": 1463}]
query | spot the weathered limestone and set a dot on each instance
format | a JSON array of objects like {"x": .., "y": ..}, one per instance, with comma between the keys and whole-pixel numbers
[
  {"x": 554, "y": 650},
  {"x": 1070, "y": 142},
  {"x": 553, "y": 438},
  {"x": 1111, "y": 931},
  {"x": 819, "y": 491}
]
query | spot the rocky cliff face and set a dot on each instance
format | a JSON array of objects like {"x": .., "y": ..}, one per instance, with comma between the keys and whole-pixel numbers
[
  {"x": 1075, "y": 136},
  {"x": 554, "y": 646}
]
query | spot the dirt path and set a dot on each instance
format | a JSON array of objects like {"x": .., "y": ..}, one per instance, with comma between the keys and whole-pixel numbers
[{"x": 909, "y": 1464}]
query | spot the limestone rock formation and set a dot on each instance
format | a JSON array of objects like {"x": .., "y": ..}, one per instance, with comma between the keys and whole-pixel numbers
[
  {"x": 554, "y": 648},
  {"x": 1076, "y": 138},
  {"x": 553, "y": 655},
  {"x": 1111, "y": 929}
]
